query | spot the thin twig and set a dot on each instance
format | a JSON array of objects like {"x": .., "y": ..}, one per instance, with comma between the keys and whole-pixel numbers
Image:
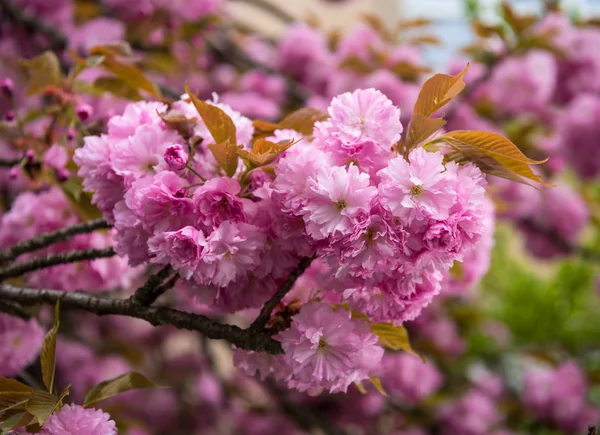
[
  {"x": 54, "y": 260},
  {"x": 272, "y": 9},
  {"x": 242, "y": 338},
  {"x": 13, "y": 309},
  {"x": 46, "y": 239},
  {"x": 265, "y": 313},
  {"x": 4, "y": 163},
  {"x": 58, "y": 40},
  {"x": 304, "y": 417},
  {"x": 152, "y": 289}
]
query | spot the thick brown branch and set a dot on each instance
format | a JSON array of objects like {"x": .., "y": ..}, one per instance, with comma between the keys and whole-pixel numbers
[
  {"x": 242, "y": 338},
  {"x": 32, "y": 25},
  {"x": 54, "y": 260},
  {"x": 44, "y": 240},
  {"x": 265, "y": 313},
  {"x": 152, "y": 289}
]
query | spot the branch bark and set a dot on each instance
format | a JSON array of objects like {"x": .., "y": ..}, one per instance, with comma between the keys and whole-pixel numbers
[
  {"x": 54, "y": 260},
  {"x": 46, "y": 239},
  {"x": 272, "y": 9},
  {"x": 4, "y": 163},
  {"x": 58, "y": 41},
  {"x": 242, "y": 338},
  {"x": 148, "y": 293},
  {"x": 265, "y": 313}
]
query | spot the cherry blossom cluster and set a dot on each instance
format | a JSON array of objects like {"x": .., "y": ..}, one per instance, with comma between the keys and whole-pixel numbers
[{"x": 388, "y": 228}]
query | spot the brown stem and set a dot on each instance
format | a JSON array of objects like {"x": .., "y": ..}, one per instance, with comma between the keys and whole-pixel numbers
[
  {"x": 148, "y": 293},
  {"x": 54, "y": 260},
  {"x": 242, "y": 338},
  {"x": 58, "y": 40},
  {"x": 46, "y": 239},
  {"x": 265, "y": 313}
]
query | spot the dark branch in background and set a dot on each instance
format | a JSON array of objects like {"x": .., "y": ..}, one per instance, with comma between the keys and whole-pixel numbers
[
  {"x": 242, "y": 338},
  {"x": 592, "y": 430},
  {"x": 46, "y": 239},
  {"x": 9, "y": 163},
  {"x": 272, "y": 9},
  {"x": 54, "y": 260},
  {"x": 265, "y": 313},
  {"x": 557, "y": 240},
  {"x": 304, "y": 417},
  {"x": 227, "y": 50},
  {"x": 13, "y": 309},
  {"x": 31, "y": 24},
  {"x": 152, "y": 289}
]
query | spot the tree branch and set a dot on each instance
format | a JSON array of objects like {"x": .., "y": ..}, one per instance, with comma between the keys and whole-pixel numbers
[
  {"x": 557, "y": 240},
  {"x": 13, "y": 309},
  {"x": 242, "y": 338},
  {"x": 272, "y": 9},
  {"x": 304, "y": 417},
  {"x": 265, "y": 313},
  {"x": 58, "y": 41},
  {"x": 11, "y": 162},
  {"x": 44, "y": 240},
  {"x": 54, "y": 260},
  {"x": 148, "y": 293}
]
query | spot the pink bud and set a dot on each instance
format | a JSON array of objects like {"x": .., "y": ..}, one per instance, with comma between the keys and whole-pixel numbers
[
  {"x": 62, "y": 175},
  {"x": 176, "y": 157},
  {"x": 84, "y": 111},
  {"x": 7, "y": 87},
  {"x": 30, "y": 156},
  {"x": 9, "y": 116},
  {"x": 71, "y": 134},
  {"x": 14, "y": 172}
]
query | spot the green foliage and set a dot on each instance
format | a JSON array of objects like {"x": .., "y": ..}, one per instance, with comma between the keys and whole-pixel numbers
[
  {"x": 553, "y": 308},
  {"x": 112, "y": 387}
]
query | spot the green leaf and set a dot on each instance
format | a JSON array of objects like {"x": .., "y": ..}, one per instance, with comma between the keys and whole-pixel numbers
[
  {"x": 421, "y": 128},
  {"x": 17, "y": 420},
  {"x": 393, "y": 337},
  {"x": 226, "y": 156},
  {"x": 219, "y": 124},
  {"x": 377, "y": 384},
  {"x": 438, "y": 91},
  {"x": 8, "y": 385},
  {"x": 41, "y": 405},
  {"x": 43, "y": 71},
  {"x": 128, "y": 381},
  {"x": 48, "y": 352},
  {"x": 131, "y": 75},
  {"x": 494, "y": 146},
  {"x": 81, "y": 201},
  {"x": 263, "y": 152},
  {"x": 118, "y": 48},
  {"x": 302, "y": 120},
  {"x": 360, "y": 387},
  {"x": 118, "y": 87}
]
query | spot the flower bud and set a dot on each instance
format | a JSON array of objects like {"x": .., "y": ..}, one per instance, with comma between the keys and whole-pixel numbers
[
  {"x": 176, "y": 157},
  {"x": 9, "y": 116},
  {"x": 71, "y": 134},
  {"x": 84, "y": 111},
  {"x": 7, "y": 87},
  {"x": 62, "y": 175},
  {"x": 30, "y": 156},
  {"x": 14, "y": 172}
]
